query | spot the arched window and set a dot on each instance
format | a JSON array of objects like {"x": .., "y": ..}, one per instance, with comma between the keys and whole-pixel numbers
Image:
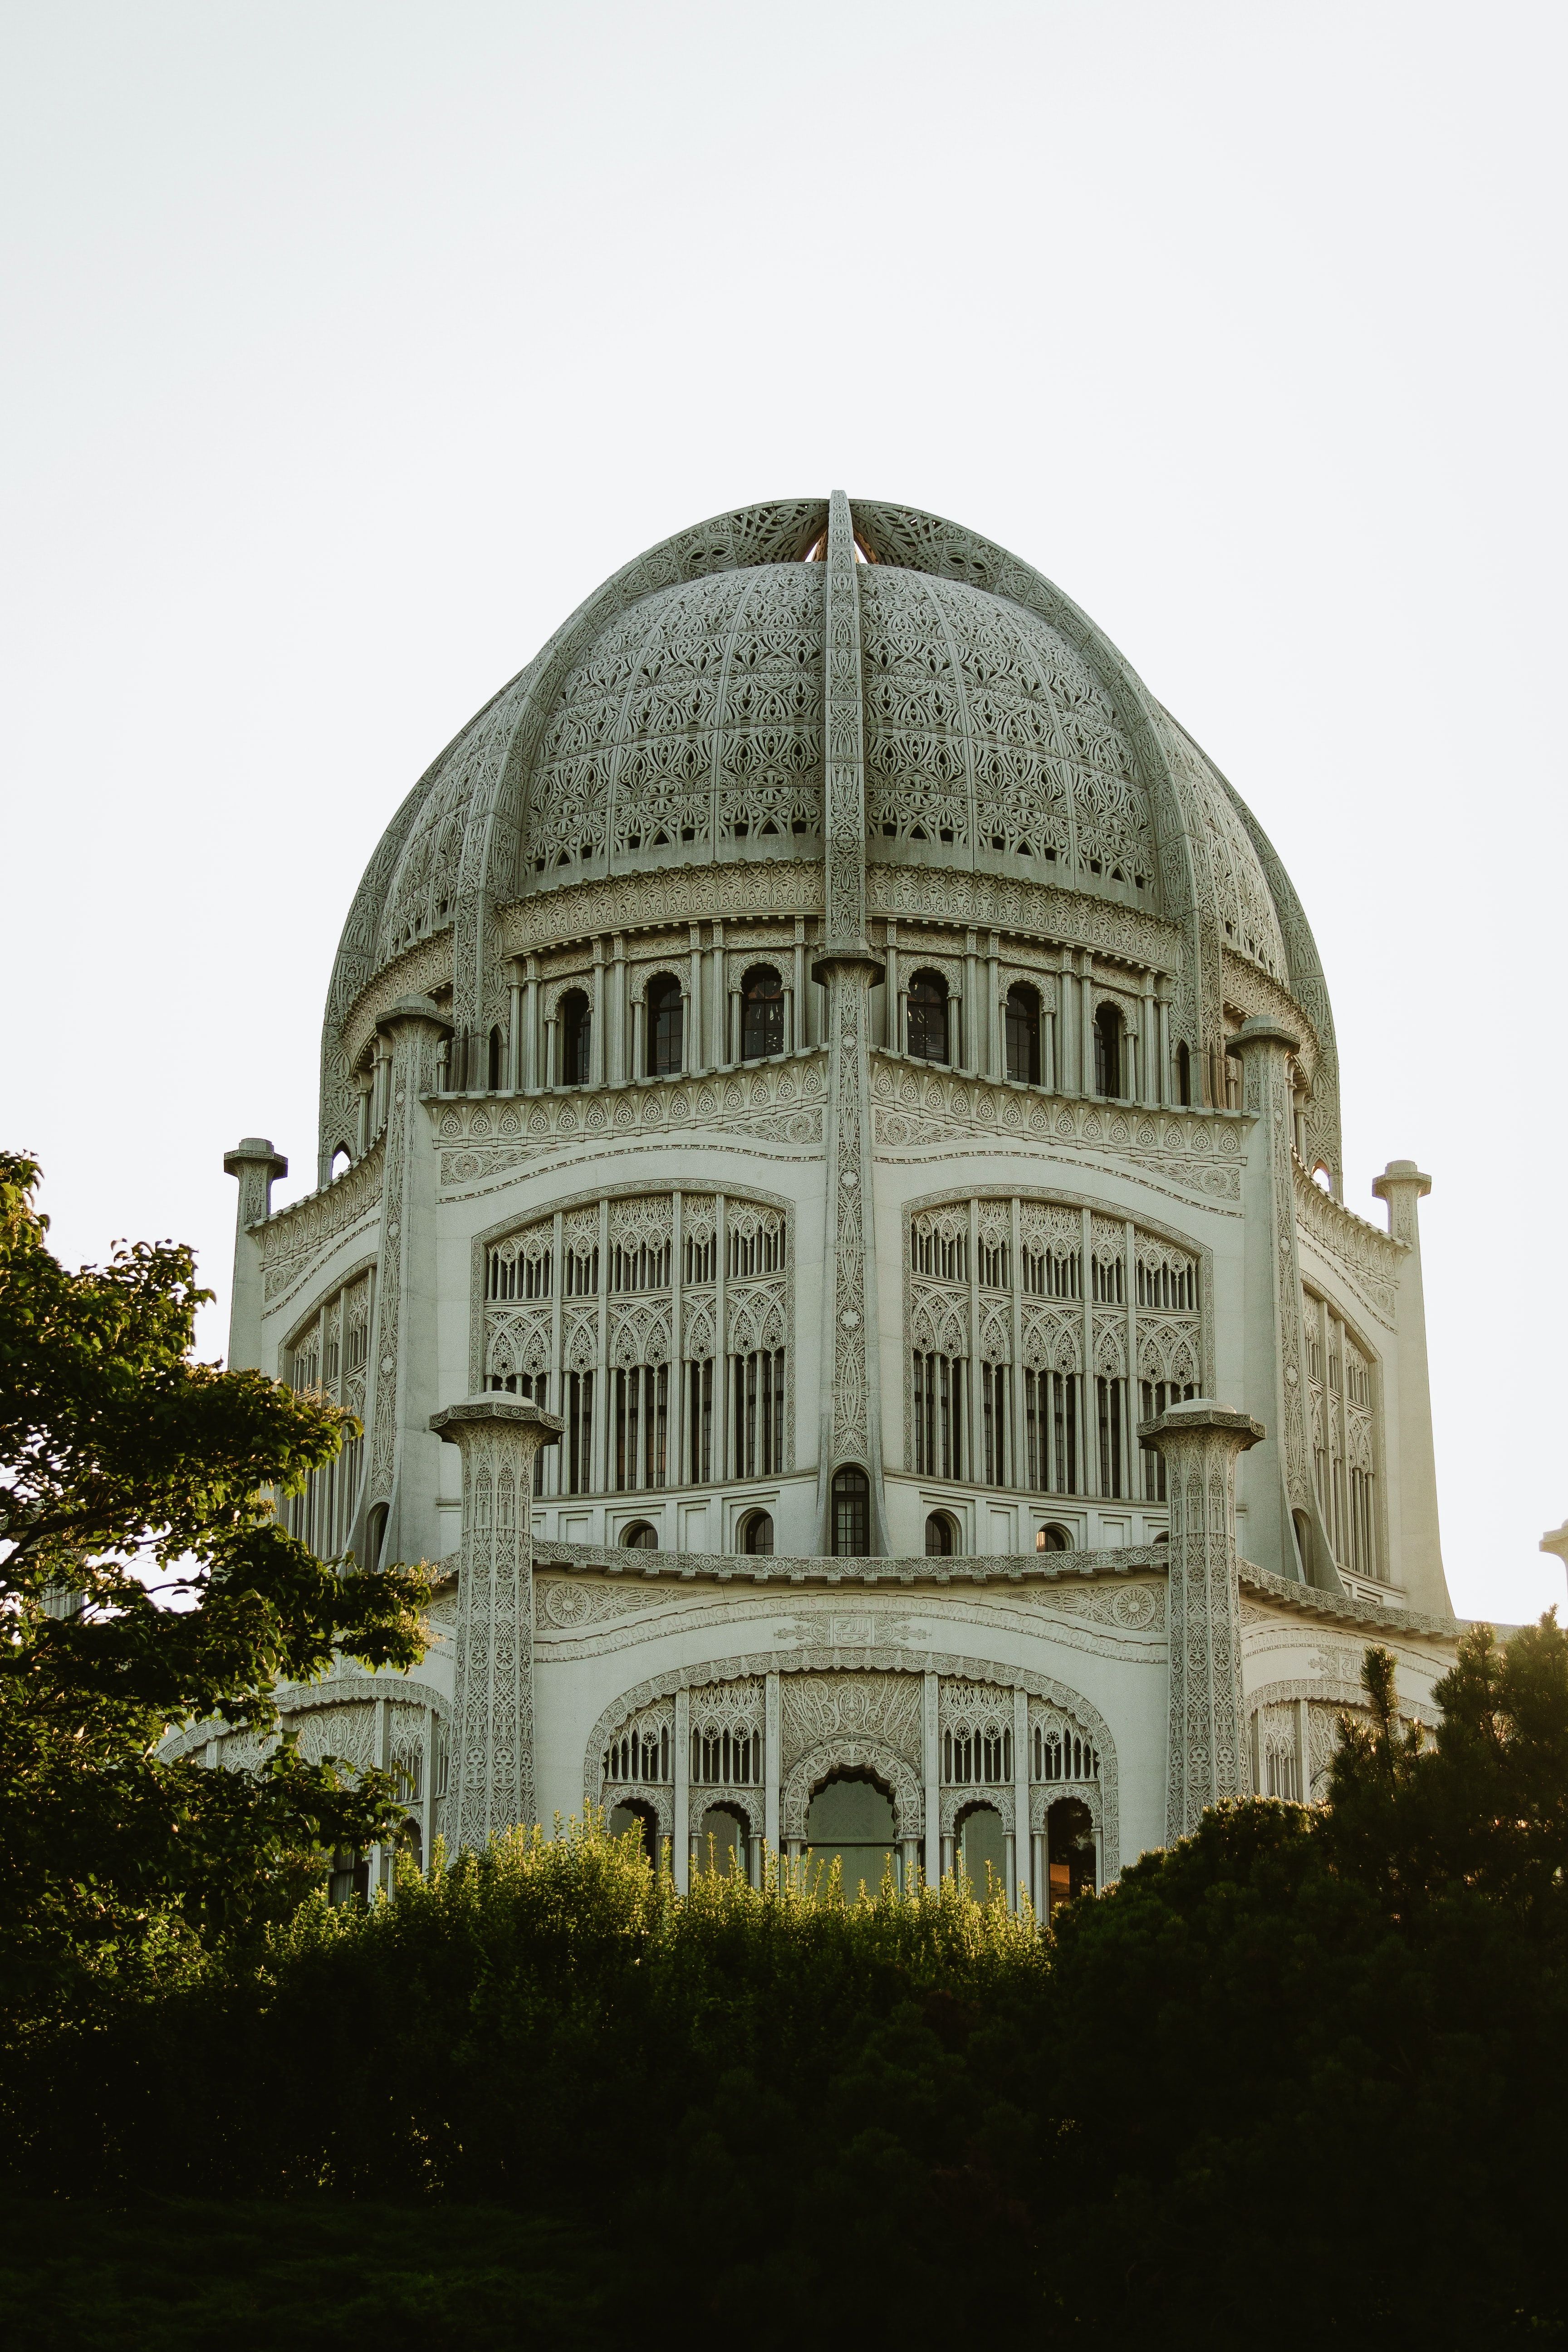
[
  {"x": 757, "y": 1534},
  {"x": 374, "y": 1535},
  {"x": 1052, "y": 1538},
  {"x": 343, "y": 1161},
  {"x": 1024, "y": 1035},
  {"x": 851, "y": 1527},
  {"x": 496, "y": 1068},
  {"x": 645, "y": 1821},
  {"x": 1184, "y": 1077},
  {"x": 927, "y": 1018},
  {"x": 722, "y": 1846},
  {"x": 983, "y": 1848},
  {"x": 641, "y": 1536},
  {"x": 942, "y": 1536},
  {"x": 1108, "y": 1052},
  {"x": 761, "y": 1013},
  {"x": 1069, "y": 1851},
  {"x": 577, "y": 1018},
  {"x": 666, "y": 1026},
  {"x": 850, "y": 1820}
]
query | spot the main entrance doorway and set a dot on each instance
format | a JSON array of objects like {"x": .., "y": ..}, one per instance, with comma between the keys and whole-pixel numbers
[{"x": 850, "y": 1820}]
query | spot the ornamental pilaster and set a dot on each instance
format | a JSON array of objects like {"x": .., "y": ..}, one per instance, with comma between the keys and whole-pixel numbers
[
  {"x": 1284, "y": 1524},
  {"x": 850, "y": 1435},
  {"x": 404, "y": 1474},
  {"x": 1205, "y": 1757},
  {"x": 257, "y": 1168},
  {"x": 491, "y": 1783}
]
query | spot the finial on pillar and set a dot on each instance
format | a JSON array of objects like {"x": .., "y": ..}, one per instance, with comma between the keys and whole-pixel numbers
[
  {"x": 257, "y": 1167},
  {"x": 1402, "y": 1185}
]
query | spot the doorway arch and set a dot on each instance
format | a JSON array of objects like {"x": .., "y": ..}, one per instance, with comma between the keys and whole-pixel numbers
[{"x": 850, "y": 1820}]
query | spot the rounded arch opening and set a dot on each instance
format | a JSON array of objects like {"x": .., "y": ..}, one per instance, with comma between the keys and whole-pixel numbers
[
  {"x": 925, "y": 1018},
  {"x": 756, "y": 1533},
  {"x": 666, "y": 1016},
  {"x": 1053, "y": 1537},
  {"x": 850, "y": 1520},
  {"x": 1184, "y": 1078},
  {"x": 941, "y": 1535},
  {"x": 1109, "y": 1056},
  {"x": 724, "y": 1844},
  {"x": 634, "y": 1816},
  {"x": 1022, "y": 1026},
  {"x": 761, "y": 1013},
  {"x": 576, "y": 1019},
  {"x": 1070, "y": 1860},
  {"x": 983, "y": 1851},
  {"x": 850, "y": 1820},
  {"x": 640, "y": 1536}
]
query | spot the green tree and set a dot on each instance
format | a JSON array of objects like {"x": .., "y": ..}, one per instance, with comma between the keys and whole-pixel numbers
[{"x": 145, "y": 1583}]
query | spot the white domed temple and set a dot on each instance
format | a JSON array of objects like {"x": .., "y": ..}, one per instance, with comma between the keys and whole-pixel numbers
[{"x": 830, "y": 1218}]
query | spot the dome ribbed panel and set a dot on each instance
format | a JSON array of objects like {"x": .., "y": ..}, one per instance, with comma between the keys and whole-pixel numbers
[
  {"x": 694, "y": 722},
  {"x": 988, "y": 739}
]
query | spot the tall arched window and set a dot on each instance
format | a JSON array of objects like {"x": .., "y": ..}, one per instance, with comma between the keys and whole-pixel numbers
[
  {"x": 851, "y": 1527},
  {"x": 666, "y": 1026},
  {"x": 1184, "y": 1077},
  {"x": 761, "y": 1013},
  {"x": 577, "y": 1018},
  {"x": 927, "y": 1019},
  {"x": 1108, "y": 1052},
  {"x": 1024, "y": 1035},
  {"x": 496, "y": 1061}
]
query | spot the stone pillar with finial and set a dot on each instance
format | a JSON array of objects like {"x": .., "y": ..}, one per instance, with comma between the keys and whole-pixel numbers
[
  {"x": 1206, "y": 1755},
  {"x": 1414, "y": 1537},
  {"x": 492, "y": 1778},
  {"x": 257, "y": 1167}
]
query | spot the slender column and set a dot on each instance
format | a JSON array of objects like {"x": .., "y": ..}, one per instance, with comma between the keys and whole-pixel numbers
[
  {"x": 493, "y": 1742},
  {"x": 772, "y": 1759},
  {"x": 362, "y": 1116},
  {"x": 1206, "y": 1749},
  {"x": 682, "y": 1837},
  {"x": 1149, "y": 1093},
  {"x": 1277, "y": 1479},
  {"x": 931, "y": 1745},
  {"x": 974, "y": 1027},
  {"x": 404, "y": 1473},
  {"x": 675, "y": 1458},
  {"x": 1089, "y": 1414},
  {"x": 719, "y": 1001},
  {"x": 598, "y": 1018},
  {"x": 514, "y": 1035},
  {"x": 551, "y": 1065},
  {"x": 556, "y": 1469},
  {"x": 995, "y": 1055},
  {"x": 1050, "y": 1050},
  {"x": 1086, "y": 1024},
  {"x": 1303, "y": 1752},
  {"x": 1132, "y": 1453},
  {"x": 798, "y": 1018},
  {"x": 257, "y": 1168},
  {"x": 602, "y": 1438},
  {"x": 851, "y": 1390},
  {"x": 720, "y": 1464},
  {"x": 695, "y": 1059},
  {"x": 978, "y": 1473},
  {"x": 1165, "y": 1090},
  {"x": 896, "y": 1032},
  {"x": 1417, "y": 1548},
  {"x": 1022, "y": 1841},
  {"x": 1016, "y": 1301},
  {"x": 530, "y": 1028}
]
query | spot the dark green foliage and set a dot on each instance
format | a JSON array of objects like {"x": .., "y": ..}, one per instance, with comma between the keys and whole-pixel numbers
[
  {"x": 144, "y": 1581},
  {"x": 1259, "y": 2090}
]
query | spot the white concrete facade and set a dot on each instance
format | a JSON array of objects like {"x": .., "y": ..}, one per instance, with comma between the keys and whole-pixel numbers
[{"x": 825, "y": 1042}]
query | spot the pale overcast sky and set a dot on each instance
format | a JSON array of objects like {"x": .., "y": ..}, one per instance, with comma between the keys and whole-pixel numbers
[{"x": 348, "y": 346}]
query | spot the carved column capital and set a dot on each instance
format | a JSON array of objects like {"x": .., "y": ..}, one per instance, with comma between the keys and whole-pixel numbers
[{"x": 1201, "y": 1442}]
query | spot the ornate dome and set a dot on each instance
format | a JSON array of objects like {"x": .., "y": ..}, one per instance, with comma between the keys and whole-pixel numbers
[{"x": 677, "y": 721}]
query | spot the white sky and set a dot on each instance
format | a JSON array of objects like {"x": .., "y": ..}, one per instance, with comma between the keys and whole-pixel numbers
[{"x": 348, "y": 346}]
